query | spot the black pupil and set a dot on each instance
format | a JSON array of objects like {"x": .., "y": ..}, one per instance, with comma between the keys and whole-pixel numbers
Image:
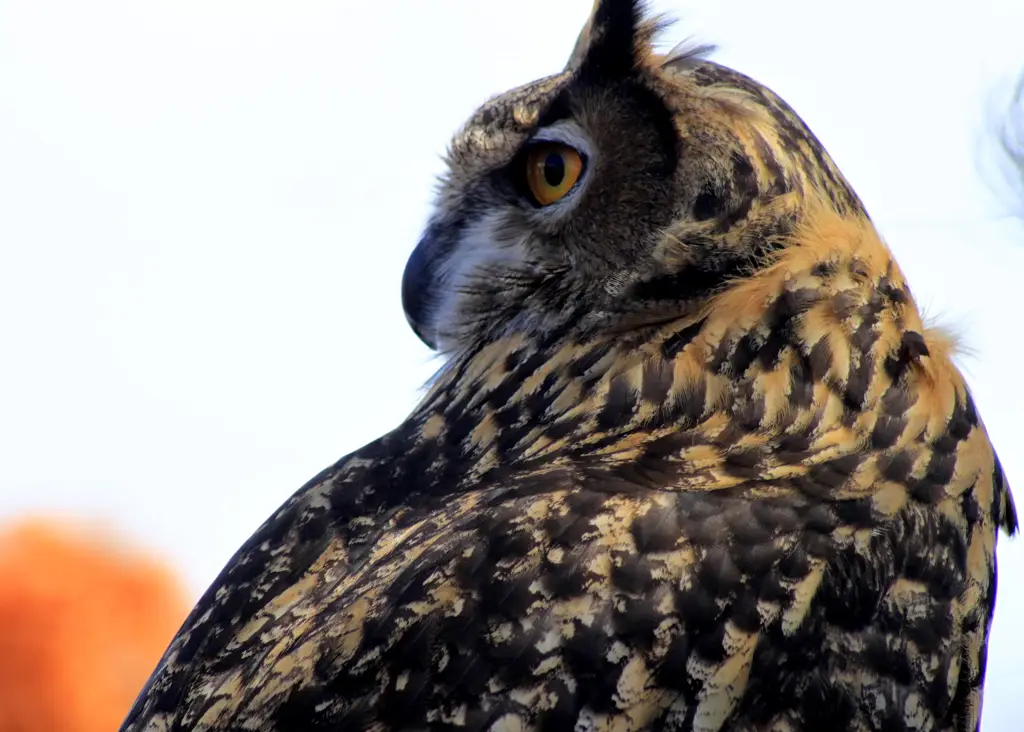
[{"x": 554, "y": 169}]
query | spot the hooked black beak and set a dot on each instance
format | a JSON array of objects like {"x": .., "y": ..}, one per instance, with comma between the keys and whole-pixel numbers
[
  {"x": 415, "y": 287},
  {"x": 421, "y": 282}
]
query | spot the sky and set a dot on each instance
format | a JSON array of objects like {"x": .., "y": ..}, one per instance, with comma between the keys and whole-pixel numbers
[{"x": 206, "y": 206}]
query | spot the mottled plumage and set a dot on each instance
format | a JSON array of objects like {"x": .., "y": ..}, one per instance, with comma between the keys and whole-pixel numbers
[{"x": 694, "y": 461}]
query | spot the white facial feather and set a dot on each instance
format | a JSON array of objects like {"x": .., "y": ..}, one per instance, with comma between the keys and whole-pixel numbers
[{"x": 487, "y": 245}]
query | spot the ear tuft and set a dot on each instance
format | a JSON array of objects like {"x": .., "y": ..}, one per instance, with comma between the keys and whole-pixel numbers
[{"x": 607, "y": 45}]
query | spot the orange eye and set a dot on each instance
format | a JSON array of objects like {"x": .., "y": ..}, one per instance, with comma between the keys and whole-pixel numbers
[{"x": 551, "y": 171}]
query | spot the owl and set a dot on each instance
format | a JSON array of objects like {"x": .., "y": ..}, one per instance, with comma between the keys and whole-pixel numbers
[{"x": 693, "y": 461}]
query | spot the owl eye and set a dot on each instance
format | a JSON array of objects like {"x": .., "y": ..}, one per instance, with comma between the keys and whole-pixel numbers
[{"x": 552, "y": 170}]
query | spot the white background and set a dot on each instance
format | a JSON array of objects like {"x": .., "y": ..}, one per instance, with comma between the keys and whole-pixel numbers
[{"x": 206, "y": 205}]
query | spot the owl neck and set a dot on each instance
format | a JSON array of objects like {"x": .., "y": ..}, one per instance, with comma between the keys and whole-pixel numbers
[
  {"x": 816, "y": 375},
  {"x": 814, "y": 359}
]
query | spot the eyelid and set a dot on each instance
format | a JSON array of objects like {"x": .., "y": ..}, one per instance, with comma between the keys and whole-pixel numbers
[{"x": 564, "y": 132}]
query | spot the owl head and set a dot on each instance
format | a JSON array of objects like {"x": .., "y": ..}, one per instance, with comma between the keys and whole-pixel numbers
[{"x": 617, "y": 195}]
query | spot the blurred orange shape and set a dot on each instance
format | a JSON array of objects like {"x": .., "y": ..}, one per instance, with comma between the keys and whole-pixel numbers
[{"x": 84, "y": 619}]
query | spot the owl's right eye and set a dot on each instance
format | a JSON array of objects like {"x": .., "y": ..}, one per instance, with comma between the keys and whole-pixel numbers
[{"x": 552, "y": 171}]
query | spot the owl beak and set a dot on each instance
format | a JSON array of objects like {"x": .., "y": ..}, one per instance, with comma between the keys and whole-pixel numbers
[{"x": 419, "y": 285}]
